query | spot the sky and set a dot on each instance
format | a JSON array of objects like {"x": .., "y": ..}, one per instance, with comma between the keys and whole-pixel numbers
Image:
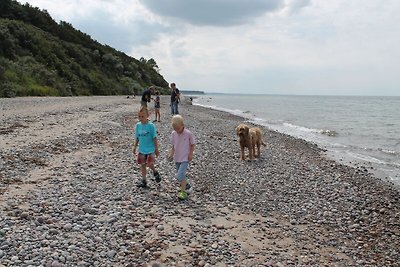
[{"x": 300, "y": 47}]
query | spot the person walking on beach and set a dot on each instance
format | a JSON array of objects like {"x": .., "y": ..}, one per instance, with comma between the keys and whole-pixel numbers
[
  {"x": 146, "y": 138},
  {"x": 157, "y": 107},
  {"x": 175, "y": 97},
  {"x": 183, "y": 145}
]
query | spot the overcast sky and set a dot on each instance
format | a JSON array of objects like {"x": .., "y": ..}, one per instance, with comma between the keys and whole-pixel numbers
[{"x": 322, "y": 47}]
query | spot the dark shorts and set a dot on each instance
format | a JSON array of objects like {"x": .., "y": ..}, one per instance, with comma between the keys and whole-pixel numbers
[{"x": 145, "y": 158}]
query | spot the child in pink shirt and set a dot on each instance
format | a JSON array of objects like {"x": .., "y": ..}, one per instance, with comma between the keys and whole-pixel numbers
[{"x": 183, "y": 144}]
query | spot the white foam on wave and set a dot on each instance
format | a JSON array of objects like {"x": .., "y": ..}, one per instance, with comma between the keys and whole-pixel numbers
[
  {"x": 236, "y": 112},
  {"x": 331, "y": 133},
  {"x": 338, "y": 145},
  {"x": 391, "y": 152},
  {"x": 301, "y": 128},
  {"x": 365, "y": 158}
]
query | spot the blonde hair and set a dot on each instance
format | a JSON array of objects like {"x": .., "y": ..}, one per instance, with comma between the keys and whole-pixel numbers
[
  {"x": 144, "y": 109},
  {"x": 177, "y": 120}
]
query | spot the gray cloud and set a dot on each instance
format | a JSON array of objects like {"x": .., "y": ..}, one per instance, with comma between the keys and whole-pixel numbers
[
  {"x": 121, "y": 36},
  {"x": 213, "y": 12},
  {"x": 295, "y": 5}
]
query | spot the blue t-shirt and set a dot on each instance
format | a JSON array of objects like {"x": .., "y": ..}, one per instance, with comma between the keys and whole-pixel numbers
[{"x": 146, "y": 134}]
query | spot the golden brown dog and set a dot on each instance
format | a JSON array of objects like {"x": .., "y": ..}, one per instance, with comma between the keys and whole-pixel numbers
[
  {"x": 249, "y": 138},
  {"x": 245, "y": 140}
]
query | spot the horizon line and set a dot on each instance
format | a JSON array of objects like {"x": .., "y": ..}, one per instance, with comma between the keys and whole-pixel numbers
[{"x": 271, "y": 94}]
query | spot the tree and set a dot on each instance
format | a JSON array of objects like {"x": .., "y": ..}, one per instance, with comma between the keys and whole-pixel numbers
[{"x": 152, "y": 63}]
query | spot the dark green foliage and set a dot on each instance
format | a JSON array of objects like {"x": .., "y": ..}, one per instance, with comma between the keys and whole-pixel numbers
[{"x": 40, "y": 57}]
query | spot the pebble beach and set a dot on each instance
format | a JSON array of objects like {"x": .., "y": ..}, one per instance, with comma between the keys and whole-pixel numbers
[{"x": 68, "y": 194}]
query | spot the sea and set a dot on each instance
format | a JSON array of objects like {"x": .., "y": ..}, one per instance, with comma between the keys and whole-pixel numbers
[{"x": 361, "y": 131}]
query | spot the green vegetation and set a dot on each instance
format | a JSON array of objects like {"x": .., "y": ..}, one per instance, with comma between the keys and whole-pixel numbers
[{"x": 39, "y": 57}]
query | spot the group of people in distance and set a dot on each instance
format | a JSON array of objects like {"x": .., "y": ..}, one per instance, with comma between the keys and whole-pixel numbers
[
  {"x": 175, "y": 99},
  {"x": 182, "y": 141}
]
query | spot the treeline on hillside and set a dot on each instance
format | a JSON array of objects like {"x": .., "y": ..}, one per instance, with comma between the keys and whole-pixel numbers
[{"x": 39, "y": 57}]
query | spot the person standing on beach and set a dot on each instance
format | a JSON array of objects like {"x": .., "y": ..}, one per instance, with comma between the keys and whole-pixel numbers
[
  {"x": 146, "y": 138},
  {"x": 175, "y": 97},
  {"x": 157, "y": 107},
  {"x": 146, "y": 96},
  {"x": 183, "y": 145}
]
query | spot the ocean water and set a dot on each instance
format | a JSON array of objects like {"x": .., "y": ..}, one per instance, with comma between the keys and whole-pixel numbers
[{"x": 356, "y": 130}]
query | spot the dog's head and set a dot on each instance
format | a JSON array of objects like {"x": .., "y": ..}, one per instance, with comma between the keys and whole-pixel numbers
[{"x": 242, "y": 130}]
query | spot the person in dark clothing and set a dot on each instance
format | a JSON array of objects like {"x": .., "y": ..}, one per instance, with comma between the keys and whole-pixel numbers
[
  {"x": 175, "y": 97},
  {"x": 146, "y": 96}
]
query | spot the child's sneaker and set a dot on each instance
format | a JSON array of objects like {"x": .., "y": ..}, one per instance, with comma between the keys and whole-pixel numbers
[
  {"x": 182, "y": 195},
  {"x": 157, "y": 176},
  {"x": 142, "y": 184},
  {"x": 188, "y": 186}
]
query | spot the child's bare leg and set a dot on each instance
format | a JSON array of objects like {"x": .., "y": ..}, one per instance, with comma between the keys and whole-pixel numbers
[
  {"x": 143, "y": 169},
  {"x": 183, "y": 185},
  {"x": 151, "y": 166},
  {"x": 143, "y": 182},
  {"x": 155, "y": 172}
]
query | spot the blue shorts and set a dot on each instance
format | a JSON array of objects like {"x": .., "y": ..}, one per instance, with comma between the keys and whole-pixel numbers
[{"x": 181, "y": 168}]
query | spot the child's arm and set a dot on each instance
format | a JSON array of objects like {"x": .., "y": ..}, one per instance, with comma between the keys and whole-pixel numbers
[
  {"x": 192, "y": 147},
  {"x": 135, "y": 145},
  {"x": 171, "y": 154},
  {"x": 156, "y": 146}
]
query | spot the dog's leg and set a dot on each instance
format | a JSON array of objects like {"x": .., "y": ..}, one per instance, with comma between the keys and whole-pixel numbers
[
  {"x": 251, "y": 156},
  {"x": 258, "y": 149},
  {"x": 250, "y": 147},
  {"x": 241, "y": 152}
]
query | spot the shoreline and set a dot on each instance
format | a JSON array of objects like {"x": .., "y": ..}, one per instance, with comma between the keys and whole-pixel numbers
[
  {"x": 68, "y": 183},
  {"x": 383, "y": 172}
]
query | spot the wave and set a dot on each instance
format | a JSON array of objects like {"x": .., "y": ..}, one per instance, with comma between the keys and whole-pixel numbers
[
  {"x": 277, "y": 125},
  {"x": 366, "y": 158},
  {"x": 300, "y": 128},
  {"x": 245, "y": 114},
  {"x": 390, "y": 152},
  {"x": 329, "y": 133}
]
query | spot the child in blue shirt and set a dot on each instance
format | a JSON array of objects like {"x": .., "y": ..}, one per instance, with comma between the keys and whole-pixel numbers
[{"x": 146, "y": 138}]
